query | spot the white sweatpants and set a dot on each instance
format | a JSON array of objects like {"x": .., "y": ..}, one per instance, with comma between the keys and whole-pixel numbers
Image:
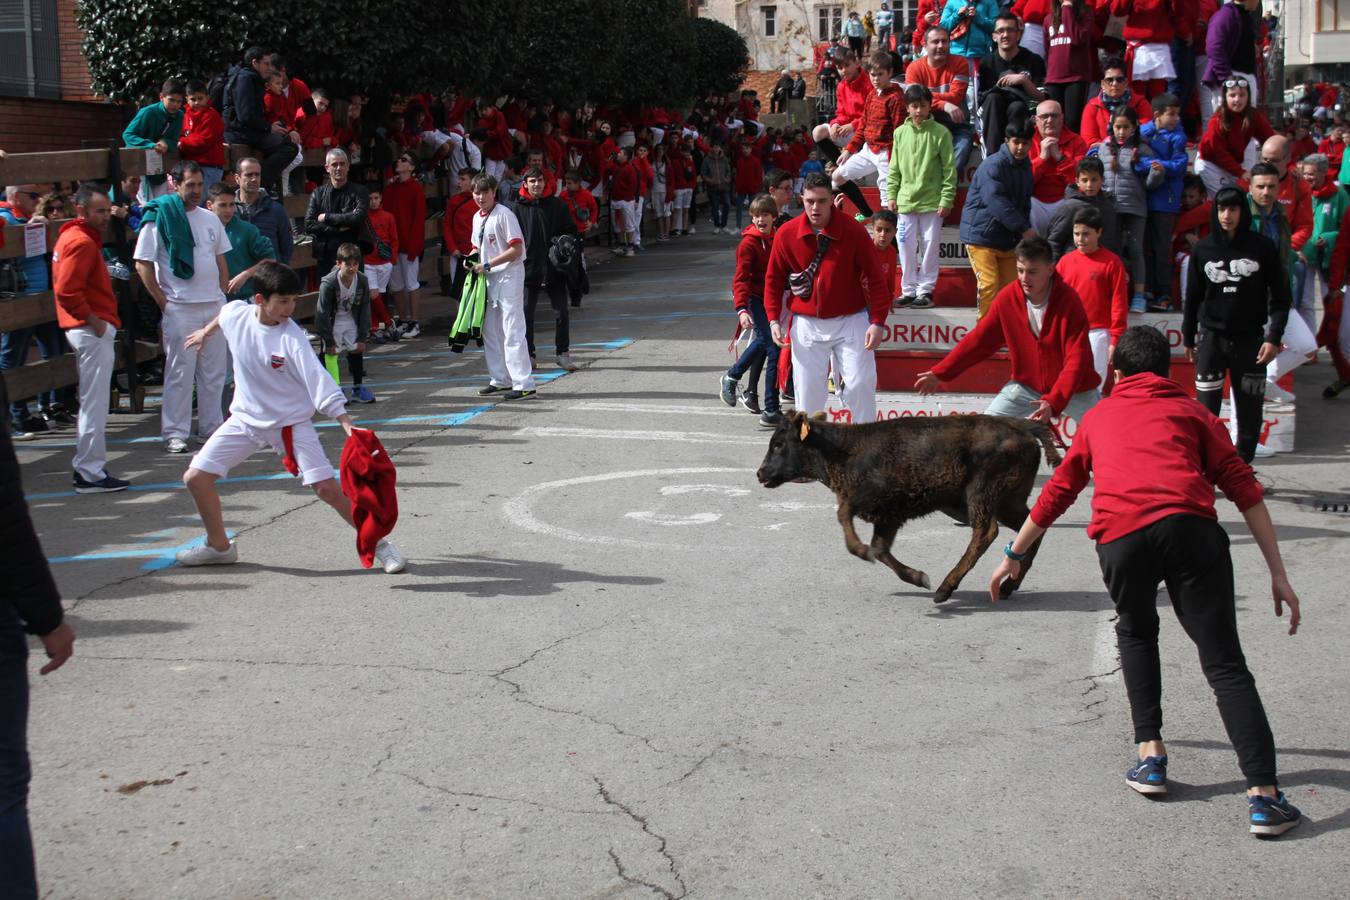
[
  {"x": 183, "y": 368},
  {"x": 918, "y": 276},
  {"x": 290, "y": 167},
  {"x": 814, "y": 343},
  {"x": 94, "y": 359},
  {"x": 1298, "y": 342},
  {"x": 508, "y": 359},
  {"x": 1099, "y": 339},
  {"x": 864, "y": 163}
]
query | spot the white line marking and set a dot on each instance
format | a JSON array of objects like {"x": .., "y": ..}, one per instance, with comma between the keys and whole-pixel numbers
[
  {"x": 678, "y": 437},
  {"x": 518, "y": 510},
  {"x": 794, "y": 506},
  {"x": 684, "y": 409},
  {"x": 652, "y": 517},
  {"x": 672, "y": 489}
]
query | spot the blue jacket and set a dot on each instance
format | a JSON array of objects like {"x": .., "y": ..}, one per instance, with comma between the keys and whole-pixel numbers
[
  {"x": 998, "y": 203},
  {"x": 34, "y": 268},
  {"x": 1169, "y": 148},
  {"x": 978, "y": 42}
]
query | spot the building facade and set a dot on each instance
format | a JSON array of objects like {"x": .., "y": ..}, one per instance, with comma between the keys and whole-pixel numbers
[{"x": 782, "y": 34}]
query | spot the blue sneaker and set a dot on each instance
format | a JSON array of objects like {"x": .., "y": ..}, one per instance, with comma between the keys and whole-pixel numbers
[
  {"x": 1148, "y": 776},
  {"x": 362, "y": 394},
  {"x": 106, "y": 485},
  {"x": 1138, "y": 303},
  {"x": 1269, "y": 817}
]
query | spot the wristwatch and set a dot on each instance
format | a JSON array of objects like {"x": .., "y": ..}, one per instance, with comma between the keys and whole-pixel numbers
[{"x": 1013, "y": 555}]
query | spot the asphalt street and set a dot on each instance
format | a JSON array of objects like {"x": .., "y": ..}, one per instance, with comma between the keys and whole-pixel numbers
[{"x": 618, "y": 667}]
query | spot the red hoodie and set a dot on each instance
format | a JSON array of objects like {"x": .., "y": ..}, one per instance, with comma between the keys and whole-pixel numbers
[
  {"x": 622, "y": 182},
  {"x": 849, "y": 259},
  {"x": 1146, "y": 21},
  {"x": 849, "y": 97},
  {"x": 386, "y": 229},
  {"x": 749, "y": 173},
  {"x": 752, "y": 259},
  {"x": 1189, "y": 220},
  {"x": 1058, "y": 364},
  {"x": 890, "y": 268},
  {"x": 203, "y": 137},
  {"x": 406, "y": 201},
  {"x": 1102, "y": 284},
  {"x": 315, "y": 129},
  {"x": 370, "y": 483},
  {"x": 882, "y": 114},
  {"x": 578, "y": 200},
  {"x": 457, "y": 226},
  {"x": 80, "y": 279},
  {"x": 1151, "y": 451},
  {"x": 1225, "y": 148}
]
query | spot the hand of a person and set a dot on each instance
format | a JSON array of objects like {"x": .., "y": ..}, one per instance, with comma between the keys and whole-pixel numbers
[
  {"x": 872, "y": 340},
  {"x": 1285, "y": 596},
  {"x": 838, "y": 201},
  {"x": 294, "y": 136},
  {"x": 359, "y": 347},
  {"x": 328, "y": 142},
  {"x": 121, "y": 211},
  {"x": 161, "y": 147},
  {"x": 1043, "y": 412},
  {"x": 321, "y": 217},
  {"x": 1267, "y": 353},
  {"x": 931, "y": 16},
  {"x": 1192, "y": 238},
  {"x": 776, "y": 332},
  {"x": 60, "y": 644},
  {"x": 237, "y": 283},
  {"x": 1006, "y": 568},
  {"x": 887, "y": 203},
  {"x": 196, "y": 340},
  {"x": 279, "y": 128},
  {"x": 1156, "y": 166},
  {"x": 957, "y": 113},
  {"x": 1110, "y": 355},
  {"x": 843, "y": 158},
  {"x": 943, "y": 212},
  {"x": 1190, "y": 354},
  {"x": 747, "y": 323},
  {"x": 1321, "y": 242},
  {"x": 927, "y": 383},
  {"x": 100, "y": 327}
]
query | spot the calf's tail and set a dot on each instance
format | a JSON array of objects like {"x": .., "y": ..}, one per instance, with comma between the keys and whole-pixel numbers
[{"x": 1043, "y": 433}]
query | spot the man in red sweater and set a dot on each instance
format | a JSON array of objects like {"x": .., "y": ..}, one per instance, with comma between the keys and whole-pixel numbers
[
  {"x": 822, "y": 261},
  {"x": 1041, "y": 321},
  {"x": 869, "y": 150},
  {"x": 1155, "y": 455},
  {"x": 1099, "y": 278},
  {"x": 1055, "y": 152},
  {"x": 948, "y": 77},
  {"x": 87, "y": 310}
]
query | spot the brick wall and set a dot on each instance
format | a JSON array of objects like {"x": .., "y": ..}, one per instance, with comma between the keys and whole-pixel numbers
[
  {"x": 74, "y": 70},
  {"x": 31, "y": 126},
  {"x": 763, "y": 82}
]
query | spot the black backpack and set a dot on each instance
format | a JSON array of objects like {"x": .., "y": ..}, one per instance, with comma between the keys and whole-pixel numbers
[{"x": 216, "y": 89}]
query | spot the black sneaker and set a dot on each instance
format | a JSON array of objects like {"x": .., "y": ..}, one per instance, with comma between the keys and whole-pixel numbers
[
  {"x": 727, "y": 390},
  {"x": 490, "y": 389},
  {"x": 517, "y": 395},
  {"x": 904, "y": 300},
  {"x": 34, "y": 425},
  {"x": 923, "y": 301},
  {"x": 107, "y": 485},
  {"x": 1334, "y": 389},
  {"x": 750, "y": 400},
  {"x": 1148, "y": 776},
  {"x": 770, "y": 419},
  {"x": 1270, "y": 818},
  {"x": 57, "y": 417}
]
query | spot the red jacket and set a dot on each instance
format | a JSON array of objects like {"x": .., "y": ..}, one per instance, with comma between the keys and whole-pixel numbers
[
  {"x": 1097, "y": 119},
  {"x": 1225, "y": 148},
  {"x": 646, "y": 176},
  {"x": 1049, "y": 178},
  {"x": 457, "y": 226},
  {"x": 849, "y": 97},
  {"x": 203, "y": 137},
  {"x": 1058, "y": 364},
  {"x": 370, "y": 482},
  {"x": 1301, "y": 148},
  {"x": 582, "y": 199},
  {"x": 890, "y": 268},
  {"x": 315, "y": 129},
  {"x": 1335, "y": 152},
  {"x": 406, "y": 201},
  {"x": 386, "y": 229},
  {"x": 1297, "y": 200},
  {"x": 278, "y": 109},
  {"x": 680, "y": 174},
  {"x": 749, "y": 173},
  {"x": 1151, "y": 451},
  {"x": 80, "y": 279},
  {"x": 622, "y": 182},
  {"x": 849, "y": 259},
  {"x": 1102, "y": 284},
  {"x": 882, "y": 114},
  {"x": 1146, "y": 21},
  {"x": 752, "y": 260},
  {"x": 798, "y": 153},
  {"x": 1188, "y": 220}
]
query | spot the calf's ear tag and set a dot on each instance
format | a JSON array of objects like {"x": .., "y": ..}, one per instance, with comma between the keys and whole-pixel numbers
[{"x": 806, "y": 428}]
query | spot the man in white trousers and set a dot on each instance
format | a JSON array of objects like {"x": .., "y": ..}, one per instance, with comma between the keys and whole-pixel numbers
[
  {"x": 824, "y": 271},
  {"x": 86, "y": 309},
  {"x": 500, "y": 246},
  {"x": 180, "y": 257}
]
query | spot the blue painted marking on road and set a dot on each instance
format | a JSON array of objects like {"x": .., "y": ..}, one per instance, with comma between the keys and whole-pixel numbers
[{"x": 157, "y": 558}]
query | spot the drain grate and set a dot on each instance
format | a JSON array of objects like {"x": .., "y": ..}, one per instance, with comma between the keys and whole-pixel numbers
[{"x": 1336, "y": 504}]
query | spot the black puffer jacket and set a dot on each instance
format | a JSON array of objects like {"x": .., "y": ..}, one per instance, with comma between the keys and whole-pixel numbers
[
  {"x": 244, "y": 113},
  {"x": 29, "y": 587}
]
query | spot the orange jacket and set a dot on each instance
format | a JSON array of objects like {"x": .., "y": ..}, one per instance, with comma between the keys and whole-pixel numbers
[{"x": 80, "y": 277}]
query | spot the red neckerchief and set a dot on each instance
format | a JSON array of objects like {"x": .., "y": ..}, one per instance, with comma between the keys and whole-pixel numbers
[{"x": 1326, "y": 190}]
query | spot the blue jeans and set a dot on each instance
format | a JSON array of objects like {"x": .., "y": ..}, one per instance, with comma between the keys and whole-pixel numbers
[
  {"x": 14, "y": 351},
  {"x": 963, "y": 139},
  {"x": 16, "y": 841},
  {"x": 1183, "y": 59},
  {"x": 761, "y": 347},
  {"x": 721, "y": 206},
  {"x": 1020, "y": 401}
]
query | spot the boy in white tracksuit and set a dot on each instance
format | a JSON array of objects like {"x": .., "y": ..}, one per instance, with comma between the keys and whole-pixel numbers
[{"x": 499, "y": 246}]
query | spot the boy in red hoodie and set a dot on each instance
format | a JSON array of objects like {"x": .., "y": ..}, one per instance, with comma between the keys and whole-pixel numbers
[
  {"x": 747, "y": 291},
  {"x": 86, "y": 310},
  {"x": 1098, "y": 277},
  {"x": 457, "y": 228},
  {"x": 1040, "y": 320},
  {"x": 405, "y": 199},
  {"x": 1155, "y": 456},
  {"x": 749, "y": 178},
  {"x": 317, "y": 129},
  {"x": 885, "y": 223},
  {"x": 869, "y": 150},
  {"x": 380, "y": 266},
  {"x": 203, "y": 136}
]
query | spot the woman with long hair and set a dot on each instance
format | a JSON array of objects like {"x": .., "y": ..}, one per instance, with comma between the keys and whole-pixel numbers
[{"x": 1070, "y": 58}]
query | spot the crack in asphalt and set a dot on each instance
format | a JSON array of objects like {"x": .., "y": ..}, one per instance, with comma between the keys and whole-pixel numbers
[
  {"x": 662, "y": 848},
  {"x": 1093, "y": 685},
  {"x": 475, "y": 795},
  {"x": 701, "y": 760}
]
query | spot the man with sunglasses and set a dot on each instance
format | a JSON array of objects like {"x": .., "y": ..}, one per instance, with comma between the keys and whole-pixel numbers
[{"x": 1055, "y": 152}]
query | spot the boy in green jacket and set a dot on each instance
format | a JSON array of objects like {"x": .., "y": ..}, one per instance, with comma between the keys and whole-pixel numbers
[
  {"x": 922, "y": 190},
  {"x": 156, "y": 127},
  {"x": 1329, "y": 204},
  {"x": 248, "y": 246}
]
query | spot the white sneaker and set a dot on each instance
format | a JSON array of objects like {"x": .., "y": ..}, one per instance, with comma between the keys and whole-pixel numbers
[
  {"x": 1264, "y": 452},
  {"x": 387, "y": 555},
  {"x": 175, "y": 445},
  {"x": 206, "y": 555},
  {"x": 565, "y": 362},
  {"x": 1277, "y": 394},
  {"x": 412, "y": 330}
]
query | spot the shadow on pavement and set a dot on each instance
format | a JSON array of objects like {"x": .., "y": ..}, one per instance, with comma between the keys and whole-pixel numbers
[
  {"x": 506, "y": 577},
  {"x": 86, "y": 629}
]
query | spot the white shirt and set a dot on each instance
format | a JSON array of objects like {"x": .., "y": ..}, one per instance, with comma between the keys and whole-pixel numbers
[
  {"x": 1036, "y": 316},
  {"x": 494, "y": 232},
  {"x": 210, "y": 241},
  {"x": 278, "y": 380}
]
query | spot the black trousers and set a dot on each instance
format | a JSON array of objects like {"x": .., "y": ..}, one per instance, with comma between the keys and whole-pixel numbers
[
  {"x": 998, "y": 109},
  {"x": 557, "y": 298},
  {"x": 1217, "y": 355},
  {"x": 1158, "y": 254},
  {"x": 1190, "y": 555}
]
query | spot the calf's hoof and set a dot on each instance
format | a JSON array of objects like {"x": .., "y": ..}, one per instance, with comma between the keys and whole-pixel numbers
[
  {"x": 926, "y": 583},
  {"x": 941, "y": 596},
  {"x": 1008, "y": 588}
]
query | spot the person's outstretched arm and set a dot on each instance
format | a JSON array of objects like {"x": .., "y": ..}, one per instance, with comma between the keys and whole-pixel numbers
[{"x": 1263, "y": 532}]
